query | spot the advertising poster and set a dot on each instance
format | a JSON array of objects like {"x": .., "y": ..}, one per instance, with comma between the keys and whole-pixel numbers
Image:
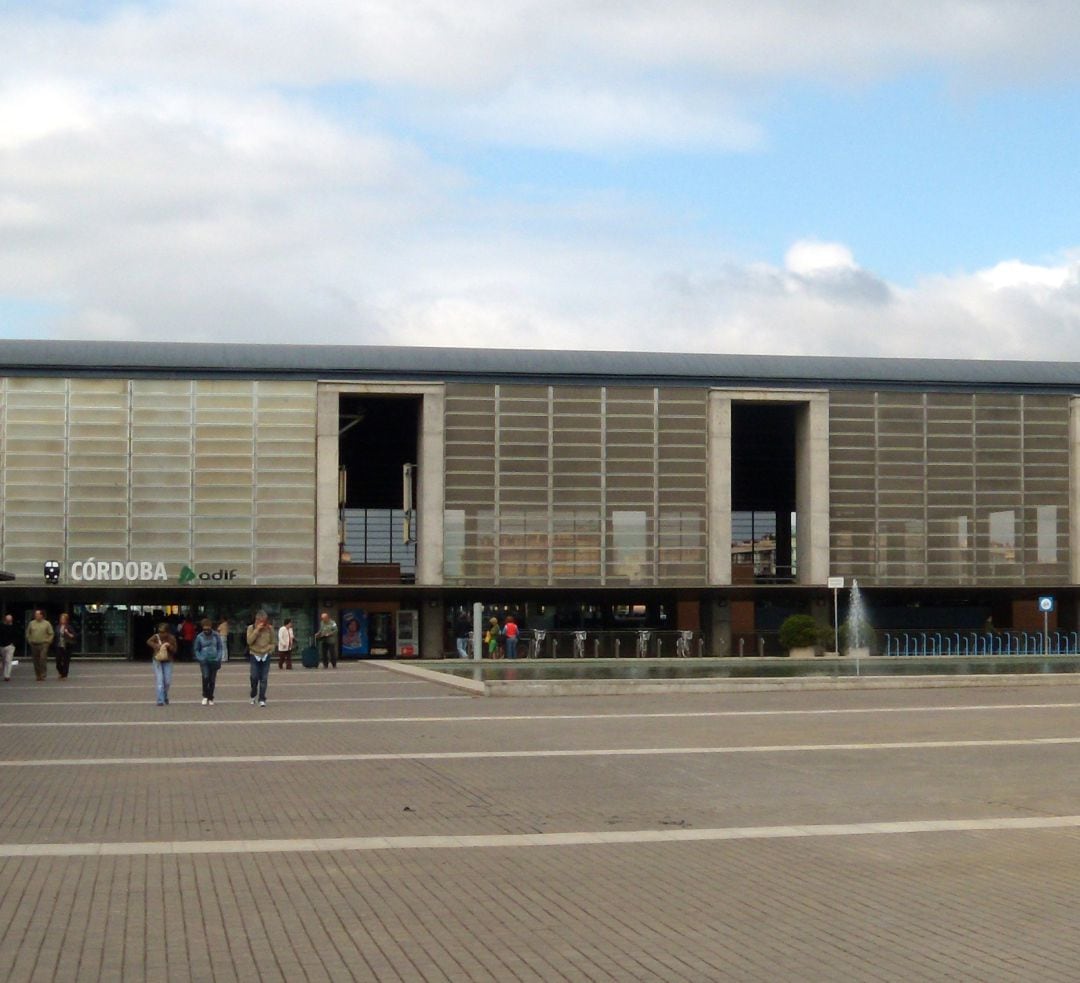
[{"x": 354, "y": 634}]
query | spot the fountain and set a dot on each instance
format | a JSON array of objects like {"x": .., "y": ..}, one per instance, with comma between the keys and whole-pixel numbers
[{"x": 857, "y": 625}]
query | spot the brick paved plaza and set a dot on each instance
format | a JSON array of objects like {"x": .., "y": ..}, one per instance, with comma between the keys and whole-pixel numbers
[{"x": 367, "y": 825}]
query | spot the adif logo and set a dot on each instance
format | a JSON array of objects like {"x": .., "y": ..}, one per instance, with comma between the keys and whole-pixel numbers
[{"x": 187, "y": 575}]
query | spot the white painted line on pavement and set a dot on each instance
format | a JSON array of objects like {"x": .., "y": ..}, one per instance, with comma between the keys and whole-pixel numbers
[
  {"x": 192, "y": 700},
  {"x": 218, "y": 759},
  {"x": 193, "y": 679},
  {"x": 529, "y": 717},
  {"x": 510, "y": 840}
]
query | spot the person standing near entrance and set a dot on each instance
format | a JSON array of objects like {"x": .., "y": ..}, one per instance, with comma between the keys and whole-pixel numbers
[
  {"x": 9, "y": 638},
  {"x": 326, "y": 639},
  {"x": 286, "y": 644},
  {"x": 163, "y": 645},
  {"x": 40, "y": 635},
  {"x": 64, "y": 644},
  {"x": 260, "y": 643},
  {"x": 188, "y": 631},
  {"x": 510, "y": 634},
  {"x": 209, "y": 651},
  {"x": 462, "y": 631}
]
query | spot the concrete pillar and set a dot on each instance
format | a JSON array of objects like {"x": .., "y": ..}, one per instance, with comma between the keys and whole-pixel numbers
[
  {"x": 431, "y": 493},
  {"x": 432, "y": 616},
  {"x": 719, "y": 640},
  {"x": 326, "y": 485},
  {"x": 719, "y": 488},
  {"x": 812, "y": 489}
]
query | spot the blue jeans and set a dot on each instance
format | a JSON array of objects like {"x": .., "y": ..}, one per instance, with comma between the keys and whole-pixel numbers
[
  {"x": 163, "y": 678},
  {"x": 209, "y": 677},
  {"x": 260, "y": 675},
  {"x": 511, "y": 646},
  {"x": 463, "y": 647}
]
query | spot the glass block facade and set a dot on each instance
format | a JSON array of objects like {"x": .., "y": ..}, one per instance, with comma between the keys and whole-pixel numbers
[
  {"x": 949, "y": 488},
  {"x": 205, "y": 474},
  {"x": 563, "y": 485}
]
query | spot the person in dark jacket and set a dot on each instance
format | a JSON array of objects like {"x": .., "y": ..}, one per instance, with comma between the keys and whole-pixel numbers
[
  {"x": 209, "y": 652},
  {"x": 10, "y": 636},
  {"x": 64, "y": 645}
]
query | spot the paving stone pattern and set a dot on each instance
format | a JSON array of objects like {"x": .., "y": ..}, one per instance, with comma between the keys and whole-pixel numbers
[{"x": 984, "y": 905}]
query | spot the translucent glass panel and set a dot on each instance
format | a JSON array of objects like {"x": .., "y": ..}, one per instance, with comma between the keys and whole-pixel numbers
[
  {"x": 207, "y": 473},
  {"x": 284, "y": 459},
  {"x": 1046, "y": 534},
  {"x": 98, "y": 482},
  {"x": 161, "y": 472},
  {"x": 949, "y": 488},
  {"x": 577, "y": 540},
  {"x": 558, "y": 468},
  {"x": 629, "y": 558},
  {"x": 35, "y": 473}
]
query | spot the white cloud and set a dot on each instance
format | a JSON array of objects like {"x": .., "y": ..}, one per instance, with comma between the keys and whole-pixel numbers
[
  {"x": 587, "y": 73},
  {"x": 808, "y": 257},
  {"x": 167, "y": 172}
]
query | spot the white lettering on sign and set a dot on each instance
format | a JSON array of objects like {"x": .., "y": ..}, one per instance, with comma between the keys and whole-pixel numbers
[{"x": 91, "y": 569}]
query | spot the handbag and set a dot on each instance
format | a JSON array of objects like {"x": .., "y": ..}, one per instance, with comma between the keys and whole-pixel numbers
[{"x": 161, "y": 653}]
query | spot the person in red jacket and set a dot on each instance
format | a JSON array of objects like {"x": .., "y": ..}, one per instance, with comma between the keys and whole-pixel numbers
[{"x": 510, "y": 634}]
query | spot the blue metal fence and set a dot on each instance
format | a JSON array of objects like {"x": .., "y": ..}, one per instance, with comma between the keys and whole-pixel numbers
[{"x": 980, "y": 643}]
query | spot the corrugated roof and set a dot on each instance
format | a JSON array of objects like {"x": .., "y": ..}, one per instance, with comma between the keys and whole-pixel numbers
[{"x": 349, "y": 361}]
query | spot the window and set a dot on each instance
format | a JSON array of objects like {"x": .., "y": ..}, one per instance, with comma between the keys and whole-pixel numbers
[
  {"x": 629, "y": 545},
  {"x": 1046, "y": 534}
]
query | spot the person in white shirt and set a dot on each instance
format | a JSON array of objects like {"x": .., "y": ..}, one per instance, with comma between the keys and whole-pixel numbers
[{"x": 286, "y": 643}]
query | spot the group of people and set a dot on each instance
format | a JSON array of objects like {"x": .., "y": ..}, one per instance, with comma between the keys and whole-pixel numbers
[
  {"x": 42, "y": 638},
  {"x": 209, "y": 650},
  {"x": 208, "y": 646},
  {"x": 497, "y": 640}
]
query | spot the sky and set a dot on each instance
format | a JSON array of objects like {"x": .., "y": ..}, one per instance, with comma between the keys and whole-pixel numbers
[{"x": 835, "y": 177}]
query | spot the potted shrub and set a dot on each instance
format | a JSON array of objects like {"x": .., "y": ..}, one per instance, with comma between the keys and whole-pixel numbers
[{"x": 800, "y": 634}]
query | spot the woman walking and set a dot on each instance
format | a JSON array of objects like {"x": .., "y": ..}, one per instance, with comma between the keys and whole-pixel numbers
[
  {"x": 163, "y": 646},
  {"x": 64, "y": 643}
]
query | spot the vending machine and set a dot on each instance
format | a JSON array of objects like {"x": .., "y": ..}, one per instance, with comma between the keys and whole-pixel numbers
[{"x": 407, "y": 636}]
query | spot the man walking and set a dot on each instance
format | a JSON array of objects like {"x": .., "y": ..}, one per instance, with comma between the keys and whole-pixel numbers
[
  {"x": 326, "y": 638},
  {"x": 286, "y": 643},
  {"x": 9, "y": 638},
  {"x": 260, "y": 642},
  {"x": 40, "y": 635},
  {"x": 209, "y": 651}
]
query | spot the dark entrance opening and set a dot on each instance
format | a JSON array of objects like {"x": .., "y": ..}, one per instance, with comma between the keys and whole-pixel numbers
[
  {"x": 763, "y": 526},
  {"x": 378, "y": 445}
]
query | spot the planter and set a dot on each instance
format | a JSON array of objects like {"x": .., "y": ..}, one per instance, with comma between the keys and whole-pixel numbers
[
  {"x": 803, "y": 652},
  {"x": 858, "y": 653}
]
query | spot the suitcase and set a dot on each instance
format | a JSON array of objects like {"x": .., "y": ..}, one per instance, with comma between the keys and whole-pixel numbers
[{"x": 310, "y": 657}]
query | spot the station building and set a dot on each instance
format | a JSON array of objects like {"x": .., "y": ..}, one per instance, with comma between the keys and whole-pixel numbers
[{"x": 579, "y": 491}]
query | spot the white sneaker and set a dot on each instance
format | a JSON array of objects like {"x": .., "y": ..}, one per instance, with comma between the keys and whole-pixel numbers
[
  {"x": 211, "y": 703},
  {"x": 205, "y": 701},
  {"x": 262, "y": 703},
  {"x": 253, "y": 701}
]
